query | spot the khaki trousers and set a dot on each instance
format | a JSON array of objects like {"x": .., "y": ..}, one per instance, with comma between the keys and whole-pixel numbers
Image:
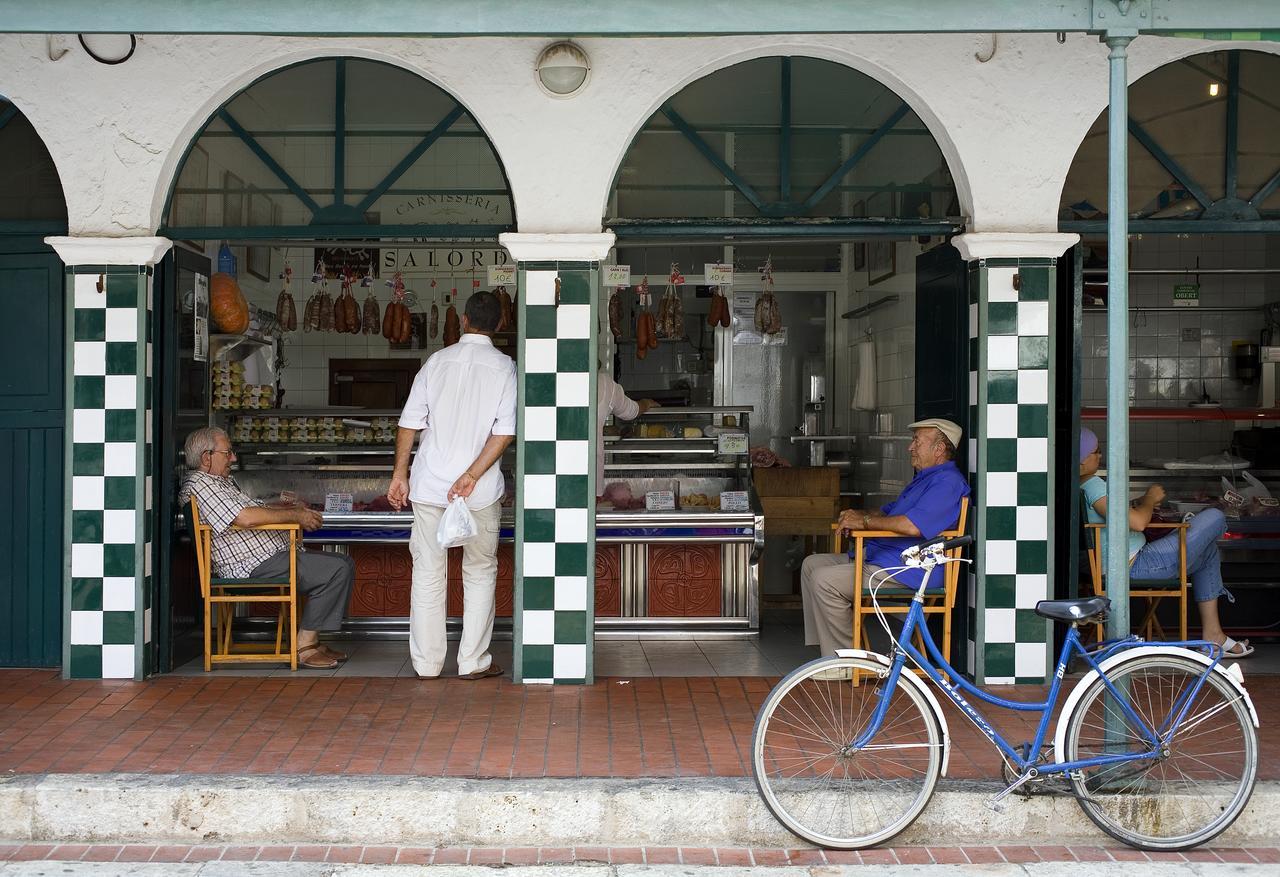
[
  {"x": 428, "y": 598},
  {"x": 826, "y": 585}
]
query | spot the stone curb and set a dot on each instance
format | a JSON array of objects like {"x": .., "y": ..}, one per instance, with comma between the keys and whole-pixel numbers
[{"x": 418, "y": 811}]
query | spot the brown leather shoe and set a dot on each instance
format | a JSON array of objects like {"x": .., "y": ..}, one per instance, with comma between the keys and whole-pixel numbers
[{"x": 492, "y": 670}]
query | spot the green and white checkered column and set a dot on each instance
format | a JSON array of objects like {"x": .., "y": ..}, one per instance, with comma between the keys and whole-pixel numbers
[
  {"x": 555, "y": 482},
  {"x": 108, "y": 583},
  {"x": 1012, "y": 340}
]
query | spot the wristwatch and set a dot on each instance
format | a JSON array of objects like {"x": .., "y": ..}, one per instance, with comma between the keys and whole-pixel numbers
[{"x": 866, "y": 522}]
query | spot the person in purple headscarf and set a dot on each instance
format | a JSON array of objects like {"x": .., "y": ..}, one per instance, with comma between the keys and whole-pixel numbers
[{"x": 1159, "y": 559}]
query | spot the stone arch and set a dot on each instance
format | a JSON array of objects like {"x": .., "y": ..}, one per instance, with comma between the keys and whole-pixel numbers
[
  {"x": 246, "y": 77},
  {"x": 48, "y": 203},
  {"x": 831, "y": 52}
]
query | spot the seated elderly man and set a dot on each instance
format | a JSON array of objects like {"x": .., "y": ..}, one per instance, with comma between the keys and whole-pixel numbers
[
  {"x": 325, "y": 578},
  {"x": 928, "y": 505}
]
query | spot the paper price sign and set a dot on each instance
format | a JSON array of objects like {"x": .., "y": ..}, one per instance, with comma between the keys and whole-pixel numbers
[
  {"x": 502, "y": 275},
  {"x": 734, "y": 501},
  {"x": 660, "y": 501},
  {"x": 731, "y": 443},
  {"x": 617, "y": 275},
  {"x": 717, "y": 274},
  {"x": 337, "y": 502}
]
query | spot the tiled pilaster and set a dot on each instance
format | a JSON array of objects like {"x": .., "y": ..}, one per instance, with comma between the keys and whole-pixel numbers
[
  {"x": 108, "y": 583},
  {"x": 555, "y": 504},
  {"x": 1011, "y": 350}
]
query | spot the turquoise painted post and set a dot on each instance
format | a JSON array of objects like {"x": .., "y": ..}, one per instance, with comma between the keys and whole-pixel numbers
[{"x": 1117, "y": 560}]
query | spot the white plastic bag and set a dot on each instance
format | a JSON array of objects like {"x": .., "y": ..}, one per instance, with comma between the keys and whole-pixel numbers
[{"x": 457, "y": 526}]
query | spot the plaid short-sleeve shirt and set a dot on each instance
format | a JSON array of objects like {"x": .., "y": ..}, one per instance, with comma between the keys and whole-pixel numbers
[{"x": 236, "y": 553}]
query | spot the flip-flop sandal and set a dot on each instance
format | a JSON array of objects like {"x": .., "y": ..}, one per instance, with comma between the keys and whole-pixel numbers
[
  {"x": 338, "y": 656},
  {"x": 1229, "y": 649},
  {"x": 492, "y": 670},
  {"x": 325, "y": 663}
]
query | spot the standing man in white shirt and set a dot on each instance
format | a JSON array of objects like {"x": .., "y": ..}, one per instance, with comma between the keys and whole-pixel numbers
[
  {"x": 463, "y": 401},
  {"x": 612, "y": 399}
]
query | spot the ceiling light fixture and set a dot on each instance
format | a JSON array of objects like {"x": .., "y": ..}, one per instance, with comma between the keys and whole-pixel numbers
[
  {"x": 563, "y": 69},
  {"x": 1213, "y": 89}
]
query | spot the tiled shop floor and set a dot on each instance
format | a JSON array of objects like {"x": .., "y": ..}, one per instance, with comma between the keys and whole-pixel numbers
[{"x": 304, "y": 724}]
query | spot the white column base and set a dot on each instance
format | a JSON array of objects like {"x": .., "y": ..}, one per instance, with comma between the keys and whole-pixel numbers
[
  {"x": 1011, "y": 245},
  {"x": 109, "y": 251},
  {"x": 558, "y": 247}
]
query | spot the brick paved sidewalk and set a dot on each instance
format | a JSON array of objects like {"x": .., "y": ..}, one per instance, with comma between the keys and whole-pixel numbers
[
  {"x": 495, "y": 856},
  {"x": 654, "y": 727}
]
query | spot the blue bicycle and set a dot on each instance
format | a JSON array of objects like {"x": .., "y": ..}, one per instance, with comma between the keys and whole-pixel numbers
[{"x": 1157, "y": 742}]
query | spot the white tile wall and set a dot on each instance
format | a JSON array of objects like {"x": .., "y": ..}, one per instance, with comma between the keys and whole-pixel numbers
[{"x": 1164, "y": 370}]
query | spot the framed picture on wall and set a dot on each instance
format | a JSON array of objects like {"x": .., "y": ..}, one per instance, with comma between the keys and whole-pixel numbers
[
  {"x": 258, "y": 259},
  {"x": 881, "y": 256},
  {"x": 860, "y": 247}
]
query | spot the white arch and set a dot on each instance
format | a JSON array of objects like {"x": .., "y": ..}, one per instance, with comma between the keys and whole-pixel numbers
[
  {"x": 229, "y": 88},
  {"x": 823, "y": 52},
  {"x": 1146, "y": 56}
]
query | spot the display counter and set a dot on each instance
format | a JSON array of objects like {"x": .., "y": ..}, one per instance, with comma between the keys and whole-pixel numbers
[{"x": 691, "y": 567}]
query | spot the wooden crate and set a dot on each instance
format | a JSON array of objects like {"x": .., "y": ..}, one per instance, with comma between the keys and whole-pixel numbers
[{"x": 799, "y": 501}]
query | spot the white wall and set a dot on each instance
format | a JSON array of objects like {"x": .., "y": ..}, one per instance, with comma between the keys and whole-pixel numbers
[{"x": 1009, "y": 128}]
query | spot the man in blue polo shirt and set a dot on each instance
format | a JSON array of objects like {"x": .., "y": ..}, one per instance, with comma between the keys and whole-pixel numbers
[{"x": 928, "y": 505}]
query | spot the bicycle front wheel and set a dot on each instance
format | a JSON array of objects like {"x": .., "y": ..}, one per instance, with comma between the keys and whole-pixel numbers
[
  {"x": 816, "y": 783},
  {"x": 1187, "y": 792}
]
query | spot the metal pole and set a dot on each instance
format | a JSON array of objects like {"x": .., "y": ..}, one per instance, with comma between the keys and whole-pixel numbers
[{"x": 1117, "y": 560}]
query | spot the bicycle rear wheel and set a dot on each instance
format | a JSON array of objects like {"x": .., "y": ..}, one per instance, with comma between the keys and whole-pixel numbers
[
  {"x": 1183, "y": 796},
  {"x": 815, "y": 784}
]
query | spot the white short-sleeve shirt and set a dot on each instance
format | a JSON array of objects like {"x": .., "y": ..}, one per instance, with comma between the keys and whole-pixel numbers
[
  {"x": 610, "y": 399},
  {"x": 461, "y": 396}
]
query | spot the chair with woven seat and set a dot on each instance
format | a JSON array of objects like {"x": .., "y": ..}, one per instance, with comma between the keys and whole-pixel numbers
[
  {"x": 936, "y": 601},
  {"x": 1151, "y": 590},
  {"x": 222, "y": 595}
]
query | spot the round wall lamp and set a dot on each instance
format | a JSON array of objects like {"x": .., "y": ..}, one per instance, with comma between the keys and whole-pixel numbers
[{"x": 563, "y": 69}]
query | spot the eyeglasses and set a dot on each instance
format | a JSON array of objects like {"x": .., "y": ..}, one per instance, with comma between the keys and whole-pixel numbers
[{"x": 230, "y": 452}]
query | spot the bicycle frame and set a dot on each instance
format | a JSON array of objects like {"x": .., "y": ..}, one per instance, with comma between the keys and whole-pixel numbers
[{"x": 1155, "y": 738}]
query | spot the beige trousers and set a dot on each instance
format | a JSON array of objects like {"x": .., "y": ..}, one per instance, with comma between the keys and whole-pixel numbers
[
  {"x": 427, "y": 600},
  {"x": 826, "y": 584}
]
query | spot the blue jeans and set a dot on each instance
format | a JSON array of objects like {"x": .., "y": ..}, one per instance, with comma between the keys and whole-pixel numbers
[{"x": 1159, "y": 559}]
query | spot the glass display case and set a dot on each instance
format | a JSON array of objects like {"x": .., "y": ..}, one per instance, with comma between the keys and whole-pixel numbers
[{"x": 679, "y": 528}]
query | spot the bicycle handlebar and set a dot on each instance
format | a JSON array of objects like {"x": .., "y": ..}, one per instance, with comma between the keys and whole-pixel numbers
[{"x": 940, "y": 543}]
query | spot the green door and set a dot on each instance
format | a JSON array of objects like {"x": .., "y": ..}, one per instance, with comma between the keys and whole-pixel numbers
[{"x": 32, "y": 422}]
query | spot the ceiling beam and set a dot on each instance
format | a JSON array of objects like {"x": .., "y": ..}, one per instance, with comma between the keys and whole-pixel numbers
[{"x": 636, "y": 17}]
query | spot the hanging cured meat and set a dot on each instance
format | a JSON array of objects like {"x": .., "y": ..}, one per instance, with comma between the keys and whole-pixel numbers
[
  {"x": 452, "y": 326},
  {"x": 286, "y": 312},
  {"x": 768, "y": 316},
  {"x": 369, "y": 325},
  {"x": 326, "y": 311},
  {"x": 508, "y": 321},
  {"x": 311, "y": 313},
  {"x": 433, "y": 322},
  {"x": 719, "y": 315},
  {"x": 615, "y": 314}
]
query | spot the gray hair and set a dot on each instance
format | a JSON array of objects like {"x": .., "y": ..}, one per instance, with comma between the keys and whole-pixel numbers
[{"x": 199, "y": 443}]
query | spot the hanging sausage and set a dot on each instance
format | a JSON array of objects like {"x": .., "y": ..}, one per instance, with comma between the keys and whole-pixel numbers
[
  {"x": 615, "y": 313},
  {"x": 768, "y": 316},
  {"x": 452, "y": 326}
]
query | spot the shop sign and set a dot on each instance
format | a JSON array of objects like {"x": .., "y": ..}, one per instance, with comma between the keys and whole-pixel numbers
[
  {"x": 447, "y": 262},
  {"x": 502, "y": 275},
  {"x": 340, "y": 261},
  {"x": 744, "y": 319},
  {"x": 337, "y": 502},
  {"x": 734, "y": 443},
  {"x": 717, "y": 274},
  {"x": 1186, "y": 295},
  {"x": 200, "y": 325},
  {"x": 660, "y": 501},
  {"x": 616, "y": 275},
  {"x": 734, "y": 501}
]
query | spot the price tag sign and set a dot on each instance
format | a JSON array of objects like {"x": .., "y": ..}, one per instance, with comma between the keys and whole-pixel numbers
[
  {"x": 660, "y": 501},
  {"x": 731, "y": 443},
  {"x": 1186, "y": 295},
  {"x": 735, "y": 501},
  {"x": 502, "y": 275},
  {"x": 717, "y": 274},
  {"x": 616, "y": 275},
  {"x": 337, "y": 502}
]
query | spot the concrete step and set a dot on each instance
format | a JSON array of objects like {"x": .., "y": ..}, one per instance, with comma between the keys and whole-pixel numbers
[{"x": 550, "y": 812}]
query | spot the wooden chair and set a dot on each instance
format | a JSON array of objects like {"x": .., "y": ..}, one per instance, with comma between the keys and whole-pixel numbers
[
  {"x": 221, "y": 595},
  {"x": 1151, "y": 590},
  {"x": 936, "y": 602}
]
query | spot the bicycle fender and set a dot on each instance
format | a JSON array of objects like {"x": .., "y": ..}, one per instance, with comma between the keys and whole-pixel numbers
[
  {"x": 912, "y": 679},
  {"x": 1232, "y": 674}
]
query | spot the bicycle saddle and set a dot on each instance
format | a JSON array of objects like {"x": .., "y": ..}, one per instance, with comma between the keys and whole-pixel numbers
[{"x": 1085, "y": 609}]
